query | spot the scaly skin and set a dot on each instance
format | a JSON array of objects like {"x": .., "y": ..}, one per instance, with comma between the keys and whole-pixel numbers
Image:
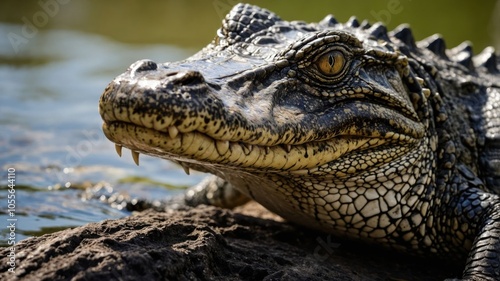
[{"x": 340, "y": 127}]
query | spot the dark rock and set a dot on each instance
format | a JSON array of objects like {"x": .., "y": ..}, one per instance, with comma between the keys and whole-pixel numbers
[{"x": 207, "y": 243}]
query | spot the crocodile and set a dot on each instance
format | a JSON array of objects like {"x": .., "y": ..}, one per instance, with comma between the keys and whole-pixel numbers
[{"x": 346, "y": 128}]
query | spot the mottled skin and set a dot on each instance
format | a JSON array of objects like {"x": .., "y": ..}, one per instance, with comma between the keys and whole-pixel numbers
[{"x": 344, "y": 128}]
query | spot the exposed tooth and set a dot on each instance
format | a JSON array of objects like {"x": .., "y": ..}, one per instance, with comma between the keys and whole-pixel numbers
[
  {"x": 173, "y": 131},
  {"x": 186, "y": 168},
  {"x": 420, "y": 81},
  {"x": 118, "y": 149},
  {"x": 247, "y": 148},
  {"x": 287, "y": 147},
  {"x": 222, "y": 147},
  {"x": 135, "y": 156},
  {"x": 268, "y": 149}
]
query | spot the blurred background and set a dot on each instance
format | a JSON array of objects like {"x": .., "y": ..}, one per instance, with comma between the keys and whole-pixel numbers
[{"x": 57, "y": 56}]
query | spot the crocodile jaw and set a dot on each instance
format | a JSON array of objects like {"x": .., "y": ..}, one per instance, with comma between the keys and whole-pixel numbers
[
  {"x": 151, "y": 116},
  {"x": 199, "y": 148}
]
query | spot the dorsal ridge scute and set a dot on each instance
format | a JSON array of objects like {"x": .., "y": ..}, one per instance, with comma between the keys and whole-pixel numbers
[
  {"x": 329, "y": 21},
  {"x": 462, "y": 54},
  {"x": 352, "y": 22},
  {"x": 379, "y": 31},
  {"x": 244, "y": 20},
  {"x": 404, "y": 34},
  {"x": 487, "y": 59},
  {"x": 436, "y": 44},
  {"x": 365, "y": 24}
]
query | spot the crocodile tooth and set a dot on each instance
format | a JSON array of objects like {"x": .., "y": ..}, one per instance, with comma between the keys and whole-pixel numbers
[
  {"x": 287, "y": 147},
  {"x": 186, "y": 168},
  {"x": 247, "y": 148},
  {"x": 118, "y": 149},
  {"x": 135, "y": 156},
  {"x": 267, "y": 149},
  {"x": 173, "y": 132}
]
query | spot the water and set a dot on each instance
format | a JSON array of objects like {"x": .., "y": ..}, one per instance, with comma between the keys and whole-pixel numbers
[
  {"x": 53, "y": 72},
  {"x": 51, "y": 131}
]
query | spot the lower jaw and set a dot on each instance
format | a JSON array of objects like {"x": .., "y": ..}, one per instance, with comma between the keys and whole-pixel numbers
[{"x": 198, "y": 148}]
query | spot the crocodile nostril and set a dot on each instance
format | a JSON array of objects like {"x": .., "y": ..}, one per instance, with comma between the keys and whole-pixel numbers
[{"x": 143, "y": 65}]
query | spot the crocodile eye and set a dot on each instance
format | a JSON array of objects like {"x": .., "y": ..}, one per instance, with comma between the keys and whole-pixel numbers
[{"x": 331, "y": 63}]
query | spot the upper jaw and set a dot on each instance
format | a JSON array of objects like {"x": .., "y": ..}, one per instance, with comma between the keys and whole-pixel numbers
[
  {"x": 189, "y": 140},
  {"x": 173, "y": 112}
]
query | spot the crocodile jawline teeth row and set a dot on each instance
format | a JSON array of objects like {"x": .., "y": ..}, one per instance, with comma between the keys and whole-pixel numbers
[{"x": 135, "y": 154}]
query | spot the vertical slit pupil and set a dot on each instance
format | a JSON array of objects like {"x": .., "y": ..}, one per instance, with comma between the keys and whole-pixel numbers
[{"x": 330, "y": 60}]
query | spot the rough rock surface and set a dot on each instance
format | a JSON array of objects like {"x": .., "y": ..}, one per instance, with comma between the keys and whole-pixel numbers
[{"x": 208, "y": 243}]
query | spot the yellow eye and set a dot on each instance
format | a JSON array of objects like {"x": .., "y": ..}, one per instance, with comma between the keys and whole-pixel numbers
[{"x": 331, "y": 63}]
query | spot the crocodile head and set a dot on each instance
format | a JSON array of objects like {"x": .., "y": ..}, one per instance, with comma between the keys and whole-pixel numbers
[{"x": 277, "y": 107}]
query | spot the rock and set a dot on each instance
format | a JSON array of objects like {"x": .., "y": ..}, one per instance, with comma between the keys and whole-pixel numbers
[{"x": 208, "y": 243}]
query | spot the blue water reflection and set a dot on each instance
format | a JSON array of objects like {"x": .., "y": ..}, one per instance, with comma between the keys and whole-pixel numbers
[{"x": 51, "y": 130}]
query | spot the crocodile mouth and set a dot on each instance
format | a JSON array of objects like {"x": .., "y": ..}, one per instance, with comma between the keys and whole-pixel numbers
[
  {"x": 201, "y": 149},
  {"x": 192, "y": 126}
]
